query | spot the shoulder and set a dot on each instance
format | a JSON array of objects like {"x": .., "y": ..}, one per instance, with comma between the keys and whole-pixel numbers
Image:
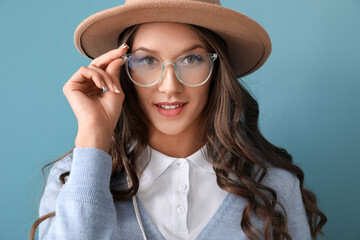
[
  {"x": 284, "y": 183},
  {"x": 281, "y": 177}
]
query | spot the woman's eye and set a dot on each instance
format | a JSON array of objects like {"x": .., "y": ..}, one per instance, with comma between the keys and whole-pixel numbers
[
  {"x": 148, "y": 60},
  {"x": 144, "y": 59},
  {"x": 193, "y": 58}
]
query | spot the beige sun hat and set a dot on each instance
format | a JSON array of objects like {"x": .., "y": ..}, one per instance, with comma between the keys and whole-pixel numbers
[{"x": 248, "y": 42}]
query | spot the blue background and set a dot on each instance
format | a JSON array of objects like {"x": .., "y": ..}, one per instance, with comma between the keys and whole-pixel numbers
[{"x": 308, "y": 92}]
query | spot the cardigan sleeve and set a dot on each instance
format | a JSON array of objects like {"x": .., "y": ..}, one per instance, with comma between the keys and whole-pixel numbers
[{"x": 84, "y": 205}]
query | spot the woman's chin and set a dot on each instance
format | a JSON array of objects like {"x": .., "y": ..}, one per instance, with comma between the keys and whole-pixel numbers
[{"x": 171, "y": 129}]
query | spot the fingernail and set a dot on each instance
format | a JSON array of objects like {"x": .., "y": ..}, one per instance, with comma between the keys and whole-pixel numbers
[
  {"x": 116, "y": 89},
  {"x": 105, "y": 89},
  {"x": 124, "y": 46}
]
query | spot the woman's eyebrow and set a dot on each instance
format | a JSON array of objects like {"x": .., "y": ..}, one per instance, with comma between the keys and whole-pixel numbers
[{"x": 184, "y": 50}]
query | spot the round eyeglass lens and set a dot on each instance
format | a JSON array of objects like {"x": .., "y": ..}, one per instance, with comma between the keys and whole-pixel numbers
[
  {"x": 194, "y": 69},
  {"x": 144, "y": 69}
]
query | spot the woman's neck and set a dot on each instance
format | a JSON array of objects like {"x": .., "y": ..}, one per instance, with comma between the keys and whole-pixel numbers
[{"x": 180, "y": 145}]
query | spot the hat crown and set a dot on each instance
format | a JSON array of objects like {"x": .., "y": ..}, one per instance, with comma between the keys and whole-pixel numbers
[{"x": 217, "y": 2}]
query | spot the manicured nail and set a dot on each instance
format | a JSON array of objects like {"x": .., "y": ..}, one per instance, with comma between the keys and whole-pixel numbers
[
  {"x": 105, "y": 89},
  {"x": 124, "y": 46},
  {"x": 116, "y": 89}
]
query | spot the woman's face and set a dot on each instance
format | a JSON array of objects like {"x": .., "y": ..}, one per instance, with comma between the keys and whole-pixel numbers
[{"x": 168, "y": 41}]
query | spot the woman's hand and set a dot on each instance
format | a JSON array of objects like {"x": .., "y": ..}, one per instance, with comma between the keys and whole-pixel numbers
[{"x": 97, "y": 112}]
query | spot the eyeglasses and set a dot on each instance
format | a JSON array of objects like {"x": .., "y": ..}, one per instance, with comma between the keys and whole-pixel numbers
[{"x": 190, "y": 69}]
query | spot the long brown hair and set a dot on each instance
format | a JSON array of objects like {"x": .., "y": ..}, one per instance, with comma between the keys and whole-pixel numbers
[{"x": 235, "y": 149}]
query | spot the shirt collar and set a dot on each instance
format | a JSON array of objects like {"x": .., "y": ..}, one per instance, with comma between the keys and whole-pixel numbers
[
  {"x": 159, "y": 162},
  {"x": 199, "y": 158}
]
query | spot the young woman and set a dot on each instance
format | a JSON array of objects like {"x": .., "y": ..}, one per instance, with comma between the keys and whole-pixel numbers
[{"x": 168, "y": 145}]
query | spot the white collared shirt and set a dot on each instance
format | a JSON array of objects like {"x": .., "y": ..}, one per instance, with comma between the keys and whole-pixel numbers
[{"x": 180, "y": 195}]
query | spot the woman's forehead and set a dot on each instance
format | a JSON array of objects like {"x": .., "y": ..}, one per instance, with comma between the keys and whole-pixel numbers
[{"x": 166, "y": 34}]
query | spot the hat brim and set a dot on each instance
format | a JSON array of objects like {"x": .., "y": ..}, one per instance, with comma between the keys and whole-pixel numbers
[{"x": 249, "y": 44}]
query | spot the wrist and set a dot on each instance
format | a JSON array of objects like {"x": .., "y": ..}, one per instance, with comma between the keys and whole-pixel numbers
[{"x": 94, "y": 138}]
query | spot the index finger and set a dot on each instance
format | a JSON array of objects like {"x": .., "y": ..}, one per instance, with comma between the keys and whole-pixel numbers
[{"x": 106, "y": 58}]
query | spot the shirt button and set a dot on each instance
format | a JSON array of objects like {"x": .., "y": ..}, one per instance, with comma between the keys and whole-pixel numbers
[
  {"x": 182, "y": 165},
  {"x": 180, "y": 209},
  {"x": 182, "y": 187}
]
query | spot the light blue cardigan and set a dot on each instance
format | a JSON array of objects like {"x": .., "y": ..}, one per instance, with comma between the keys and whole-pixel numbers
[{"x": 85, "y": 209}]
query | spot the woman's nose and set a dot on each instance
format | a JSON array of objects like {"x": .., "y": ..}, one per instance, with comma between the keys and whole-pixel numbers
[{"x": 169, "y": 82}]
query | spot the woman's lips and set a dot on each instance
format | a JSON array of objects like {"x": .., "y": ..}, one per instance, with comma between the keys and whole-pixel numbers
[{"x": 170, "y": 112}]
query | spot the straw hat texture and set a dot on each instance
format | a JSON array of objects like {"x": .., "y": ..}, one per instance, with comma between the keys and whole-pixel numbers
[{"x": 248, "y": 42}]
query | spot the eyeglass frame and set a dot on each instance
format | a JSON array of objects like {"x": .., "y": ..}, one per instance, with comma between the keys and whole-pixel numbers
[{"x": 213, "y": 57}]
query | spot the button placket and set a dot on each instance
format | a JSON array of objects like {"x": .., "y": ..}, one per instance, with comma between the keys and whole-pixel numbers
[{"x": 180, "y": 197}]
